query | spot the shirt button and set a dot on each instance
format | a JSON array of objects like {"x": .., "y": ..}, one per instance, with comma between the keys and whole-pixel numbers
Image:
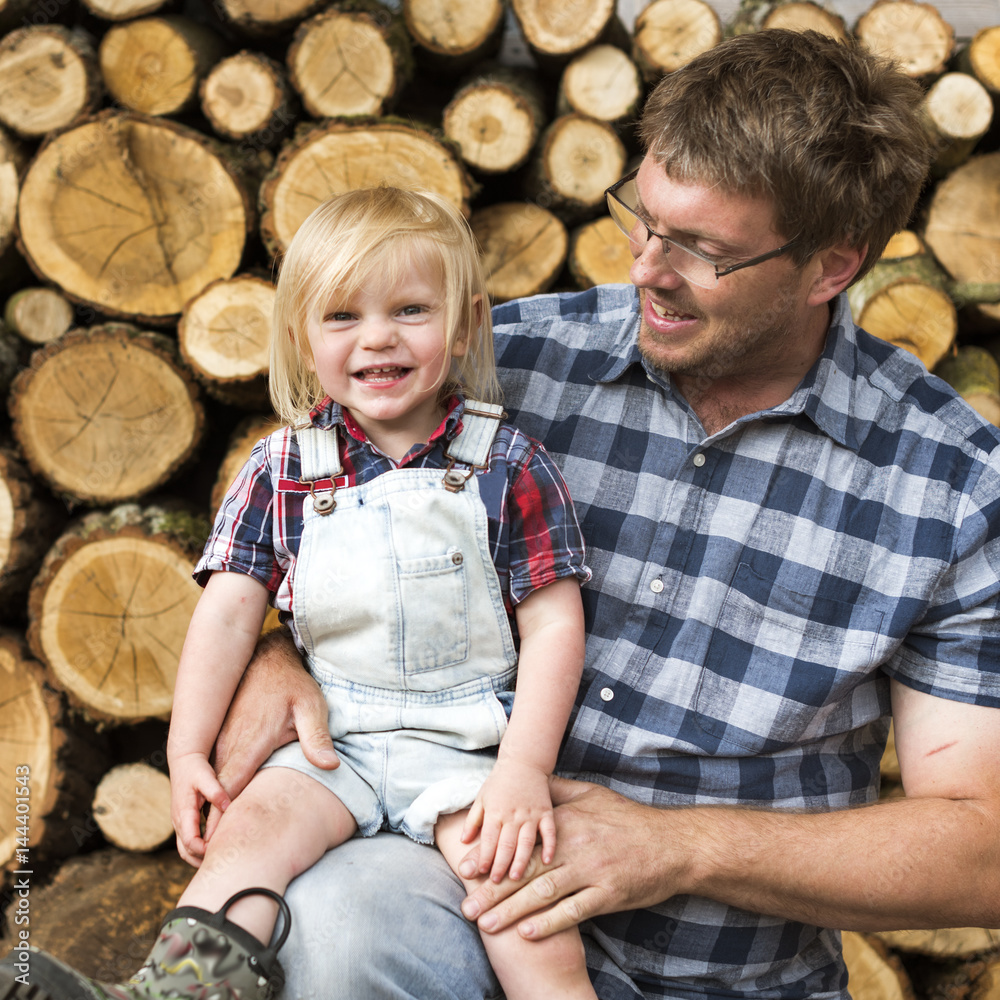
[
  {"x": 699, "y": 460},
  {"x": 656, "y": 586},
  {"x": 607, "y": 694}
]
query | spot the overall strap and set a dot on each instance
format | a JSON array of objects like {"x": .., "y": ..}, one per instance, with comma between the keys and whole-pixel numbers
[
  {"x": 319, "y": 455},
  {"x": 472, "y": 444}
]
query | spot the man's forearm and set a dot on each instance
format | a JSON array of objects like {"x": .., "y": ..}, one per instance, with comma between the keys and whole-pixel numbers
[{"x": 905, "y": 863}]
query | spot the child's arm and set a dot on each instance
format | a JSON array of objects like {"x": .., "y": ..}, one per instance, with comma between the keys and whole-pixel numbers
[
  {"x": 514, "y": 803},
  {"x": 220, "y": 640}
]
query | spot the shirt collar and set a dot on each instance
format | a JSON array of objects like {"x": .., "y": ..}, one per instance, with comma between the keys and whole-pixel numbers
[
  {"x": 328, "y": 414},
  {"x": 826, "y": 395}
]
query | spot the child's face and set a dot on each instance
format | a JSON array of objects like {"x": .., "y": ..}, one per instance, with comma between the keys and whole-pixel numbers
[{"x": 382, "y": 355}]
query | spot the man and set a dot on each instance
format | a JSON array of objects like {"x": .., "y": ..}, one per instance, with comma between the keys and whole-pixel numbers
[{"x": 793, "y": 531}]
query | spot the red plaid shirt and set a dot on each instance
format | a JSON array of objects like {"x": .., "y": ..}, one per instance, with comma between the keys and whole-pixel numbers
[{"x": 534, "y": 535}]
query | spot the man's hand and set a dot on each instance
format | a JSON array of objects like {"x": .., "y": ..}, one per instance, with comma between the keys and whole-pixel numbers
[
  {"x": 611, "y": 854},
  {"x": 277, "y": 702}
]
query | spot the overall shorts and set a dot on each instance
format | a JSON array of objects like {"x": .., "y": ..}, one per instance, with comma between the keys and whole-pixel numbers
[{"x": 399, "y": 609}]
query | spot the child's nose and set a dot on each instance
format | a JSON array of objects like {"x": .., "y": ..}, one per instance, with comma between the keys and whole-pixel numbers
[{"x": 379, "y": 332}]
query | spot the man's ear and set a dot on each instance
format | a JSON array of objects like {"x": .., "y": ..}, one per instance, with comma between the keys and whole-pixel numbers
[{"x": 835, "y": 267}]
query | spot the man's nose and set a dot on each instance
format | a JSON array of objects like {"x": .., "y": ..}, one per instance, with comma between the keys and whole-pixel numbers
[{"x": 652, "y": 268}]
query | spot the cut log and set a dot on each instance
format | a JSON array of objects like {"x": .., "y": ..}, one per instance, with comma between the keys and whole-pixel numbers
[
  {"x": 51, "y": 763},
  {"x": 792, "y": 15},
  {"x": 874, "y": 972},
  {"x": 981, "y": 57},
  {"x": 495, "y": 120},
  {"x": 241, "y": 442},
  {"x": 599, "y": 254},
  {"x": 248, "y": 96},
  {"x": 555, "y": 31},
  {"x": 602, "y": 82},
  {"x": 225, "y": 336},
  {"x": 154, "y": 65},
  {"x": 266, "y": 18},
  {"x": 123, "y": 10},
  {"x": 110, "y": 607},
  {"x": 670, "y": 33},
  {"x": 453, "y": 36},
  {"x": 335, "y": 157},
  {"x": 12, "y": 161},
  {"x": 963, "y": 224},
  {"x": 973, "y": 373},
  {"x": 577, "y": 159},
  {"x": 102, "y": 912},
  {"x": 352, "y": 59},
  {"x": 914, "y": 35},
  {"x": 49, "y": 79},
  {"x": 30, "y": 520},
  {"x": 524, "y": 248},
  {"x": 947, "y": 942},
  {"x": 889, "y": 766},
  {"x": 906, "y": 303},
  {"x": 958, "y": 111},
  {"x": 106, "y": 414},
  {"x": 38, "y": 315},
  {"x": 132, "y": 807},
  {"x": 133, "y": 215}
]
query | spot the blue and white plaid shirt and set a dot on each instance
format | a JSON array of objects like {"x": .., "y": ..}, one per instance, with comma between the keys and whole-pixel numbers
[{"x": 753, "y": 593}]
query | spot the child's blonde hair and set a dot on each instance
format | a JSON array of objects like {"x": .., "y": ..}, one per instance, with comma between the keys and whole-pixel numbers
[{"x": 372, "y": 237}]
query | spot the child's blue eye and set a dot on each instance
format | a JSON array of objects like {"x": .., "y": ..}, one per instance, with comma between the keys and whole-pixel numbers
[{"x": 411, "y": 310}]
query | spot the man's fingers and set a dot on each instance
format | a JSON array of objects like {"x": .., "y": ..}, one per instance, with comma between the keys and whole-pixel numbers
[
  {"x": 568, "y": 912},
  {"x": 311, "y": 720}
]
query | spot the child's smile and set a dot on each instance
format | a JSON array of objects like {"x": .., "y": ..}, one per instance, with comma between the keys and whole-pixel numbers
[{"x": 382, "y": 354}]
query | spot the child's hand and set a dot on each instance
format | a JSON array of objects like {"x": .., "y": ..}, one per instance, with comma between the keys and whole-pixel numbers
[
  {"x": 512, "y": 808},
  {"x": 192, "y": 784}
]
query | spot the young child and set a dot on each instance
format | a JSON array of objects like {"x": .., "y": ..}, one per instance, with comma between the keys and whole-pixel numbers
[{"x": 399, "y": 526}]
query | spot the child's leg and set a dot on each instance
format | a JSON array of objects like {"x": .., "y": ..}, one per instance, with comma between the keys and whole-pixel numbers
[
  {"x": 281, "y": 824},
  {"x": 551, "y": 968}
]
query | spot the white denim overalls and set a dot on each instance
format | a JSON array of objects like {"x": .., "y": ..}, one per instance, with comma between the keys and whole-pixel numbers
[{"x": 399, "y": 609}]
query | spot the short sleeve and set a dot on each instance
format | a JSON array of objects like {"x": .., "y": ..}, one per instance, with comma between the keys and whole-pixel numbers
[
  {"x": 545, "y": 542},
  {"x": 242, "y": 537}
]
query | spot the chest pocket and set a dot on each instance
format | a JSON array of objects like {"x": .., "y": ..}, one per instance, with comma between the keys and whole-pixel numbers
[{"x": 783, "y": 667}]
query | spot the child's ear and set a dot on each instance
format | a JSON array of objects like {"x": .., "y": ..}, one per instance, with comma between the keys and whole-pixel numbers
[{"x": 461, "y": 345}]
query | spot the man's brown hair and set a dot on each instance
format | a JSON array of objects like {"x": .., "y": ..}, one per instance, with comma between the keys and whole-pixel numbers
[{"x": 829, "y": 132}]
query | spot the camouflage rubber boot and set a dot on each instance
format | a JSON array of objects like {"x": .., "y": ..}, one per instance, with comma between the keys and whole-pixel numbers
[{"x": 197, "y": 954}]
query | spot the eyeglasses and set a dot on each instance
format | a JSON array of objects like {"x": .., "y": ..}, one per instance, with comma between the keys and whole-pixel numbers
[{"x": 690, "y": 264}]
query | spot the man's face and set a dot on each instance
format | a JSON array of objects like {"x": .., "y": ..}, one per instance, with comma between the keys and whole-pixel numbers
[{"x": 753, "y": 322}]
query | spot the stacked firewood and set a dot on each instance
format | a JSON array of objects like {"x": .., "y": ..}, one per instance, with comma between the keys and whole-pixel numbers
[{"x": 156, "y": 157}]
